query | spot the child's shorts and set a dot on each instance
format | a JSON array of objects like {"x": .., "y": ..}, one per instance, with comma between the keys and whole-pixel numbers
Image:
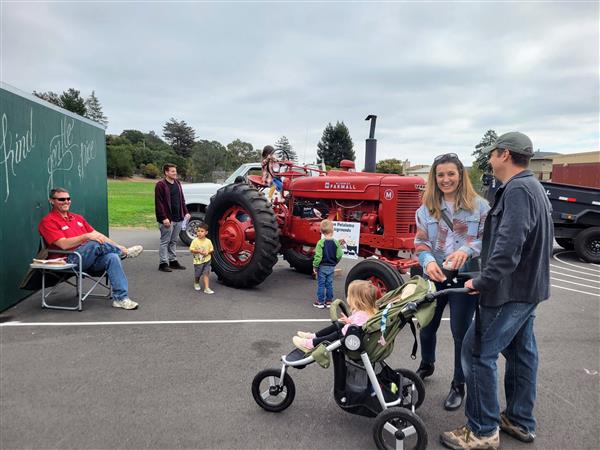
[{"x": 201, "y": 269}]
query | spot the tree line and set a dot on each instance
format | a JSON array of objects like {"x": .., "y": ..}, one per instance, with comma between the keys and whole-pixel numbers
[{"x": 136, "y": 152}]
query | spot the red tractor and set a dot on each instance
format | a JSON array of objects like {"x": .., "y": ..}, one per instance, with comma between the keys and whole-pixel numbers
[{"x": 249, "y": 232}]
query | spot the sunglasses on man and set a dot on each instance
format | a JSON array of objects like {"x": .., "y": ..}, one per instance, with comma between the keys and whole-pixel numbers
[{"x": 62, "y": 199}]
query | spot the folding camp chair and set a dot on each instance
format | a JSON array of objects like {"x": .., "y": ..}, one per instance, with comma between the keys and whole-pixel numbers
[{"x": 53, "y": 275}]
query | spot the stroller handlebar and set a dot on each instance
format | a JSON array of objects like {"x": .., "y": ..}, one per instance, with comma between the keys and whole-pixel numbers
[
  {"x": 411, "y": 307},
  {"x": 443, "y": 292}
]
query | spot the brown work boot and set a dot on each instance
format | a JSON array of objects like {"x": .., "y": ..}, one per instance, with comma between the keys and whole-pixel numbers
[
  {"x": 515, "y": 430},
  {"x": 463, "y": 439}
]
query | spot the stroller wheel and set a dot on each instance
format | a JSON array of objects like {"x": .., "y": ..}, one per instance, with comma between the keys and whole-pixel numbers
[
  {"x": 399, "y": 429},
  {"x": 412, "y": 397},
  {"x": 269, "y": 394}
]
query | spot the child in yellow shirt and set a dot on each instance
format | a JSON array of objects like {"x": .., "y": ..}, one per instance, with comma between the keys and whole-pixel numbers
[{"x": 201, "y": 247}]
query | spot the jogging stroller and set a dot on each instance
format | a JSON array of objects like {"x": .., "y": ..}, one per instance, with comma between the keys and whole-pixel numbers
[{"x": 363, "y": 383}]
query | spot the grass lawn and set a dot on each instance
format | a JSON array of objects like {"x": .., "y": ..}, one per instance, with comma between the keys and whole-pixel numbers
[{"x": 131, "y": 203}]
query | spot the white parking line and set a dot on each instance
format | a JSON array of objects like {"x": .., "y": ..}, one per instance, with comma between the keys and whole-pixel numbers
[
  {"x": 575, "y": 290},
  {"x": 156, "y": 251},
  {"x": 574, "y": 282},
  {"x": 571, "y": 270},
  {"x": 159, "y": 322},
  {"x": 580, "y": 267},
  {"x": 573, "y": 276}
]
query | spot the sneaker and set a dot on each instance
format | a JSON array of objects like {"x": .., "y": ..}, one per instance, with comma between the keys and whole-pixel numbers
[
  {"x": 197, "y": 286},
  {"x": 208, "y": 291},
  {"x": 328, "y": 304},
  {"x": 175, "y": 265},
  {"x": 306, "y": 345},
  {"x": 319, "y": 305},
  {"x": 463, "y": 439},
  {"x": 134, "y": 252},
  {"x": 125, "y": 303},
  {"x": 305, "y": 335},
  {"x": 515, "y": 430},
  {"x": 164, "y": 267}
]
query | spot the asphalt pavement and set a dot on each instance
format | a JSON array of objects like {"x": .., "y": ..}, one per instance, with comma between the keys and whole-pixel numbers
[{"x": 176, "y": 373}]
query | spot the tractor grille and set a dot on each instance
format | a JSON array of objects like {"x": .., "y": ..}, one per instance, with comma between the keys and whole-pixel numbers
[{"x": 407, "y": 205}]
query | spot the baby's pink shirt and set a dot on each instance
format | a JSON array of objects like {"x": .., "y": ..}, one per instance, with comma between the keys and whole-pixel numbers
[{"x": 356, "y": 318}]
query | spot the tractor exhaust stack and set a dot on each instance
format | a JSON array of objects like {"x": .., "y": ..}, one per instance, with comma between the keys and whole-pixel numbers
[{"x": 371, "y": 146}]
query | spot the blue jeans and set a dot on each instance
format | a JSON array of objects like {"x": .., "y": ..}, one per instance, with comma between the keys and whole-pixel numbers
[
  {"x": 507, "y": 329},
  {"x": 98, "y": 257},
  {"x": 325, "y": 283},
  {"x": 462, "y": 308}
]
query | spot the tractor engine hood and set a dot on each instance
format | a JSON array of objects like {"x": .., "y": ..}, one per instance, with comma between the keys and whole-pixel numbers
[{"x": 353, "y": 185}]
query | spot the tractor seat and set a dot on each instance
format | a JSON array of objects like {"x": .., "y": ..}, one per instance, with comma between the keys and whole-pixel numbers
[{"x": 257, "y": 180}]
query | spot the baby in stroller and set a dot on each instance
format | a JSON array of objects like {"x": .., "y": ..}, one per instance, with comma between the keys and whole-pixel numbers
[
  {"x": 362, "y": 298},
  {"x": 363, "y": 383}
]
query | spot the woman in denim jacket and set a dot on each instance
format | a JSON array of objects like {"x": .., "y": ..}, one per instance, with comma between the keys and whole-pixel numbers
[{"x": 449, "y": 198}]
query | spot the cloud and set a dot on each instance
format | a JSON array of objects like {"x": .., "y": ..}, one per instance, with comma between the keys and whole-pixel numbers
[{"x": 438, "y": 75}]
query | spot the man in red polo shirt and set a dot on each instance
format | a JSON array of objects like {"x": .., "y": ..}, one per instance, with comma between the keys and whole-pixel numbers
[{"x": 63, "y": 230}]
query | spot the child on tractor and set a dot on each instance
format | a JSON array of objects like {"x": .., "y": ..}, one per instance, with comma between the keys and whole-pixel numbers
[{"x": 268, "y": 175}]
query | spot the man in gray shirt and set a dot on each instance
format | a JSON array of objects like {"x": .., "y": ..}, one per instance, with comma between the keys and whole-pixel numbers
[{"x": 515, "y": 277}]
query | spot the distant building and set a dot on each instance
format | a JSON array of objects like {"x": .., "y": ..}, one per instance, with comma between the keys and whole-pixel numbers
[
  {"x": 581, "y": 169},
  {"x": 418, "y": 170},
  {"x": 541, "y": 164}
]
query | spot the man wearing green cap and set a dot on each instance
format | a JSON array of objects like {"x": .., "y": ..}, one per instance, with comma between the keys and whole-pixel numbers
[{"x": 515, "y": 277}]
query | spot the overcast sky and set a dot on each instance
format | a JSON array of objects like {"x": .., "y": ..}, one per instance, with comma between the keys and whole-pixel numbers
[{"x": 437, "y": 74}]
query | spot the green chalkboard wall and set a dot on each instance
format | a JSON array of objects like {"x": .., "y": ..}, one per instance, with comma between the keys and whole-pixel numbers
[{"x": 41, "y": 147}]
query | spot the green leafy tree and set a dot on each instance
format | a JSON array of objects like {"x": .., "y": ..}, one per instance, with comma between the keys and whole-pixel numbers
[
  {"x": 481, "y": 158},
  {"x": 180, "y": 136},
  {"x": 93, "y": 109},
  {"x": 284, "y": 144},
  {"x": 119, "y": 162},
  {"x": 49, "y": 96},
  {"x": 475, "y": 176},
  {"x": 151, "y": 171},
  {"x": 207, "y": 156},
  {"x": 335, "y": 145},
  {"x": 72, "y": 101},
  {"x": 154, "y": 141},
  {"x": 239, "y": 152},
  {"x": 392, "y": 165},
  {"x": 133, "y": 136}
]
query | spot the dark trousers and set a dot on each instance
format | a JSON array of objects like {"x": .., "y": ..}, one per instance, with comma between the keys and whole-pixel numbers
[
  {"x": 329, "y": 334},
  {"x": 462, "y": 309}
]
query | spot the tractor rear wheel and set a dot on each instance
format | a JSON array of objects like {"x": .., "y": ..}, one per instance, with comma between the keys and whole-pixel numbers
[
  {"x": 384, "y": 276},
  {"x": 299, "y": 260},
  {"x": 243, "y": 229}
]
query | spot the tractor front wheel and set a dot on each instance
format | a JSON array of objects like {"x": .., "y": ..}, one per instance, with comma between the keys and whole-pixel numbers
[
  {"x": 243, "y": 229},
  {"x": 300, "y": 259},
  {"x": 384, "y": 276}
]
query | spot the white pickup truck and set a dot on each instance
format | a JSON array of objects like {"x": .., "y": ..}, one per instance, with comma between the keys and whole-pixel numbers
[{"x": 197, "y": 197}]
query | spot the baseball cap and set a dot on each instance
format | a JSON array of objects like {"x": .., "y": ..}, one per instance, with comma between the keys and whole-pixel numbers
[{"x": 514, "y": 141}]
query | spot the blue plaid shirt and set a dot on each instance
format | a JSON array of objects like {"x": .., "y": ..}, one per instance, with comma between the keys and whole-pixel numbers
[{"x": 432, "y": 233}]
